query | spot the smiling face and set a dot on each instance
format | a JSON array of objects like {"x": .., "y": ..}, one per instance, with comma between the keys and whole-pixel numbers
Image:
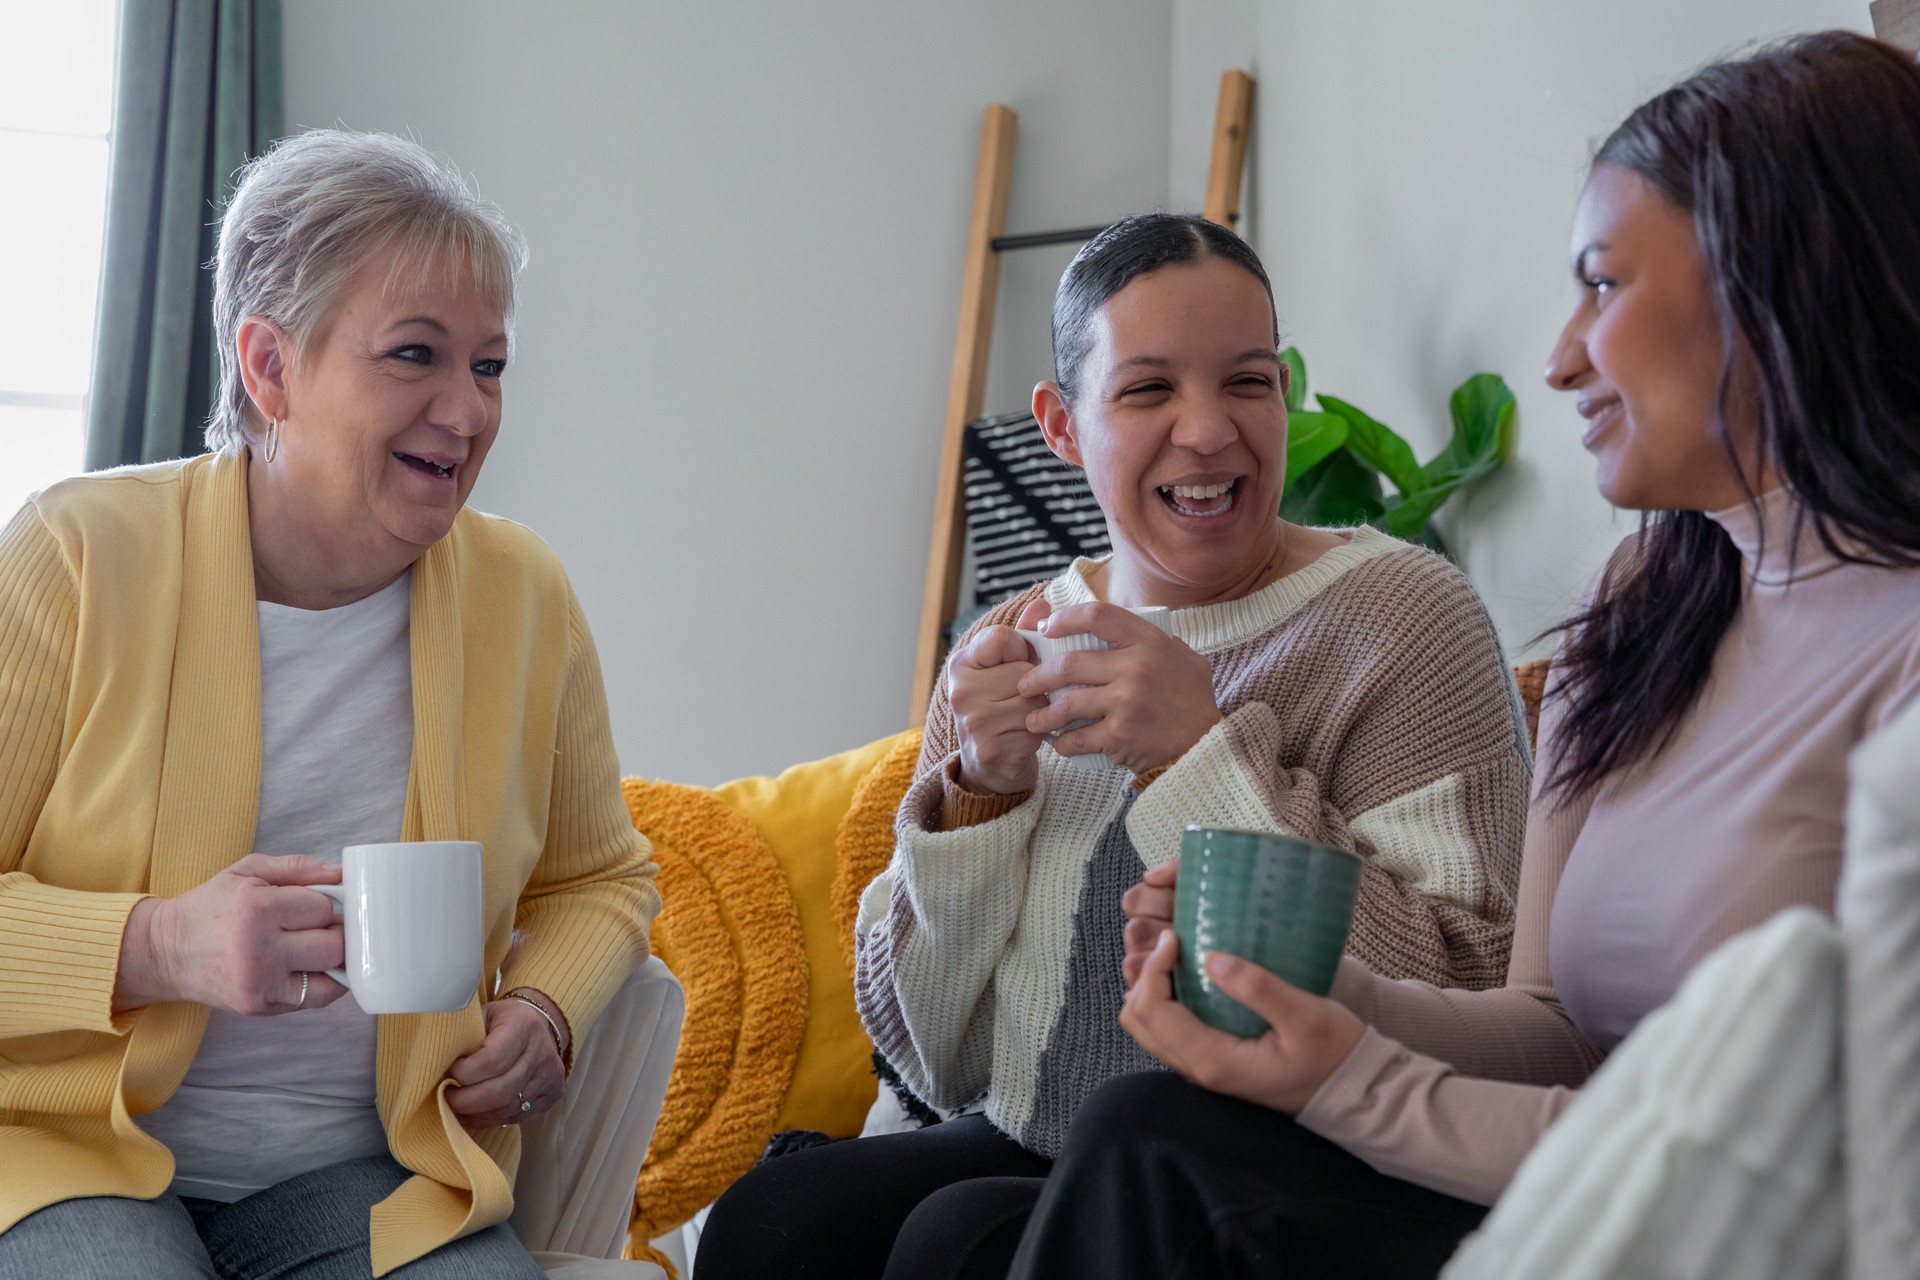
[
  {"x": 386, "y": 417},
  {"x": 1181, "y": 425},
  {"x": 1644, "y": 351}
]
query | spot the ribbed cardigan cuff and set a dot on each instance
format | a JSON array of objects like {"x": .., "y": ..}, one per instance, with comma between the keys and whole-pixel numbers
[
  {"x": 578, "y": 949},
  {"x": 59, "y": 956}
]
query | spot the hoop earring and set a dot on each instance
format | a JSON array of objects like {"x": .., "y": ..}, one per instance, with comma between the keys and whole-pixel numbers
[{"x": 273, "y": 439}]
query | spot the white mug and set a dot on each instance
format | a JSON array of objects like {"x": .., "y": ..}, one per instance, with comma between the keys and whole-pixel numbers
[
  {"x": 1045, "y": 647},
  {"x": 411, "y": 911}
]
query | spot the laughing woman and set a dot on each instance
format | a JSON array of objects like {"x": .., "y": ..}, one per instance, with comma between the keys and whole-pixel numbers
[
  {"x": 1333, "y": 684},
  {"x": 220, "y": 672}
]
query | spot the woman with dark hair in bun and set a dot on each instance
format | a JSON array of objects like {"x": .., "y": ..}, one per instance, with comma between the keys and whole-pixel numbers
[
  {"x": 1748, "y": 262},
  {"x": 1336, "y": 685}
]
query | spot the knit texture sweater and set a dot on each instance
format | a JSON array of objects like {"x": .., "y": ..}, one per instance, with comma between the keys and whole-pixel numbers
[
  {"x": 1624, "y": 890},
  {"x": 1366, "y": 705},
  {"x": 130, "y": 756}
]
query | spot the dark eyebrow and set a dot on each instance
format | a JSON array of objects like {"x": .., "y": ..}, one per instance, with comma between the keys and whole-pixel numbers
[
  {"x": 1580, "y": 259},
  {"x": 1144, "y": 362}
]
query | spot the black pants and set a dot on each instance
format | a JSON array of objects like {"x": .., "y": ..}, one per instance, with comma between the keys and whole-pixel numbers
[
  {"x": 942, "y": 1203},
  {"x": 1166, "y": 1180}
]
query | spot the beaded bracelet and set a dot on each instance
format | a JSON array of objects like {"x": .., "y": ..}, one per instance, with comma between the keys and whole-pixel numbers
[{"x": 559, "y": 1044}]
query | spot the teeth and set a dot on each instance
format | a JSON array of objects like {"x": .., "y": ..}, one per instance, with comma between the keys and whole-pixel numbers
[{"x": 1197, "y": 490}]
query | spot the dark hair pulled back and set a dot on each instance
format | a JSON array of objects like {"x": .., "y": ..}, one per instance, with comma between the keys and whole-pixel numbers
[
  {"x": 1131, "y": 248},
  {"x": 1800, "y": 166}
]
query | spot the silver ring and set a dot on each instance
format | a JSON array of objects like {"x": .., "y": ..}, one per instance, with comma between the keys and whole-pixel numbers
[
  {"x": 305, "y": 978},
  {"x": 525, "y": 1106}
]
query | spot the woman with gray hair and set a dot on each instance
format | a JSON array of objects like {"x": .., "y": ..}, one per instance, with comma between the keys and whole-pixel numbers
[{"x": 219, "y": 672}]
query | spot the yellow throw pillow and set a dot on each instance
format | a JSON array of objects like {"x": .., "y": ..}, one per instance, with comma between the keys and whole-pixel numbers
[
  {"x": 799, "y": 814},
  {"x": 750, "y": 883},
  {"x": 730, "y": 931}
]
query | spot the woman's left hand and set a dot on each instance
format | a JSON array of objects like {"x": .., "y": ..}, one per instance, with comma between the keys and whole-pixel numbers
[
  {"x": 516, "y": 1063},
  {"x": 1150, "y": 696},
  {"x": 1307, "y": 1038}
]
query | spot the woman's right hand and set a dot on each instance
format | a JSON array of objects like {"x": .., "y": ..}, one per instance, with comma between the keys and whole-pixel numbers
[
  {"x": 1149, "y": 910},
  {"x": 241, "y": 941},
  {"x": 997, "y": 754}
]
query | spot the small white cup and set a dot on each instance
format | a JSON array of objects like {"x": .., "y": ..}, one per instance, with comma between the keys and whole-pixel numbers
[
  {"x": 411, "y": 911},
  {"x": 1045, "y": 647}
]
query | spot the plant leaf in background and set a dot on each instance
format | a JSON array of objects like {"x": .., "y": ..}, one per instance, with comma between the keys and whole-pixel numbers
[
  {"x": 1341, "y": 490},
  {"x": 1311, "y": 438},
  {"x": 1482, "y": 408},
  {"x": 1379, "y": 447},
  {"x": 1335, "y": 458},
  {"x": 1296, "y": 379}
]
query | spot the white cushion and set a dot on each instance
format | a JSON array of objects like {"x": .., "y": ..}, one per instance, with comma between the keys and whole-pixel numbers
[
  {"x": 1708, "y": 1145},
  {"x": 1879, "y": 911}
]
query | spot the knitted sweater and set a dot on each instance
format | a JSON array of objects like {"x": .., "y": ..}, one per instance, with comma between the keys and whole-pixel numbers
[
  {"x": 130, "y": 765},
  {"x": 1367, "y": 706}
]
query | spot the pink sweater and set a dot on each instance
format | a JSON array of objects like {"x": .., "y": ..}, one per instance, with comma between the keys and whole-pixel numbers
[{"x": 1622, "y": 893}]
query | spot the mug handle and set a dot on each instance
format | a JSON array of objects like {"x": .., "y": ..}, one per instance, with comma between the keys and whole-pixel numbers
[{"x": 338, "y": 892}]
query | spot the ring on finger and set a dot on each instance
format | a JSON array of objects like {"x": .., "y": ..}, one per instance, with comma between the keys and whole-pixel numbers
[{"x": 305, "y": 978}]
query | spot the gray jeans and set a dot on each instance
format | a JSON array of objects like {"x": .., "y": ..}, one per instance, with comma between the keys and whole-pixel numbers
[{"x": 313, "y": 1227}]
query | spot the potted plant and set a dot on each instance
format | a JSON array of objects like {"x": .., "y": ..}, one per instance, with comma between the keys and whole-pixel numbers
[{"x": 1337, "y": 455}]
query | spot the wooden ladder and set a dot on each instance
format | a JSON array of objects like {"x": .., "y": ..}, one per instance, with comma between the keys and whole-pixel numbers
[{"x": 986, "y": 241}]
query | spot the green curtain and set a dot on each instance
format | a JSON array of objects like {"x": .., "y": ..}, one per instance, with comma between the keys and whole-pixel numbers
[{"x": 200, "y": 86}]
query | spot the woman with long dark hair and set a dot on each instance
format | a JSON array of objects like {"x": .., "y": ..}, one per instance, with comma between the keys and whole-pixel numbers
[{"x": 1743, "y": 349}]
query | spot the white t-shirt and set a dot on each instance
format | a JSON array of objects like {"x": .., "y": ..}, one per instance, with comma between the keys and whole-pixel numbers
[{"x": 269, "y": 1098}]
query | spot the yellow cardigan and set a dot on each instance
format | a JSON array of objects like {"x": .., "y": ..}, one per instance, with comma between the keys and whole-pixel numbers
[{"x": 130, "y": 765}]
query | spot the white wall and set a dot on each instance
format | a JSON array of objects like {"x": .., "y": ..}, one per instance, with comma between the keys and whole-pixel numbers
[
  {"x": 1417, "y": 165},
  {"x": 747, "y": 224}
]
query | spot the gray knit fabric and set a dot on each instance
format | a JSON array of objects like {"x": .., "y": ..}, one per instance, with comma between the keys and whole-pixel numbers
[{"x": 1088, "y": 1046}]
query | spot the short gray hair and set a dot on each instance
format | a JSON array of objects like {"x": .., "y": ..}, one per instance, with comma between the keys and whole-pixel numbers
[{"x": 315, "y": 209}]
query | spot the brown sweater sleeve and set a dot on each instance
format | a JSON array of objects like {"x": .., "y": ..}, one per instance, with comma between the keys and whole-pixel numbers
[
  {"x": 959, "y": 807},
  {"x": 1388, "y": 726}
]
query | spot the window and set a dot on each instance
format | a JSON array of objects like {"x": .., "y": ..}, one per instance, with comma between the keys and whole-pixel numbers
[{"x": 56, "y": 110}]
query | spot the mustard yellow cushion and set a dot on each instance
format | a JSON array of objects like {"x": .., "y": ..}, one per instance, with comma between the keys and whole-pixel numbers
[
  {"x": 864, "y": 845},
  {"x": 799, "y": 814},
  {"x": 772, "y": 1041},
  {"x": 730, "y": 931}
]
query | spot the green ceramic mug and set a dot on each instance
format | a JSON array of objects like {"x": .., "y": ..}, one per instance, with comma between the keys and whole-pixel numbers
[{"x": 1278, "y": 901}]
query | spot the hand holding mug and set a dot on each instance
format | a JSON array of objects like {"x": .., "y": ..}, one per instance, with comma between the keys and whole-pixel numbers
[
  {"x": 1306, "y": 1040},
  {"x": 250, "y": 939},
  {"x": 1149, "y": 697},
  {"x": 1149, "y": 910},
  {"x": 515, "y": 1075},
  {"x": 997, "y": 751}
]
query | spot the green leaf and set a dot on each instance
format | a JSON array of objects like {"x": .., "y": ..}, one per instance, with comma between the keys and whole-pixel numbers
[
  {"x": 1310, "y": 438},
  {"x": 1341, "y": 490},
  {"x": 1296, "y": 378},
  {"x": 1379, "y": 446},
  {"x": 1482, "y": 409}
]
